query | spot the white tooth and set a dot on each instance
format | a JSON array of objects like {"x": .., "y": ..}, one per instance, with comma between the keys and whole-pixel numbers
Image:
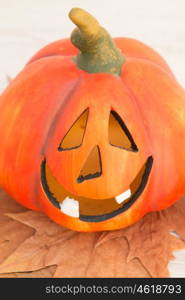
[
  {"x": 122, "y": 197},
  {"x": 70, "y": 207}
]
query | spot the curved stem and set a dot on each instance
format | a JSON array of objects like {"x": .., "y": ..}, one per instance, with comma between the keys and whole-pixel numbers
[{"x": 98, "y": 52}]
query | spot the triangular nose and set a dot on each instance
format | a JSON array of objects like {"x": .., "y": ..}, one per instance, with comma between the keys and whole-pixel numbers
[{"x": 92, "y": 167}]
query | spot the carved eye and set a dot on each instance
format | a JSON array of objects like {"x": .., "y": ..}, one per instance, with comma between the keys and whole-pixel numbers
[
  {"x": 119, "y": 135},
  {"x": 74, "y": 137}
]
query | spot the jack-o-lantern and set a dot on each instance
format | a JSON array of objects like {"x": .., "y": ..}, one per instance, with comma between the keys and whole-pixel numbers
[{"x": 93, "y": 138}]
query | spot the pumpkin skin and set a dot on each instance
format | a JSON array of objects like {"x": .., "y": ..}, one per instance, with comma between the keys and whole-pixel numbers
[{"x": 40, "y": 105}]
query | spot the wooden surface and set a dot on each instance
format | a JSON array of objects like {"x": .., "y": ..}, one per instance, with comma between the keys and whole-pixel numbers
[{"x": 26, "y": 26}]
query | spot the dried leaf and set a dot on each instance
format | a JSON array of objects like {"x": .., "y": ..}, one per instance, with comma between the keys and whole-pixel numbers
[
  {"x": 149, "y": 240},
  {"x": 12, "y": 233},
  {"x": 31, "y": 245},
  {"x": 46, "y": 273}
]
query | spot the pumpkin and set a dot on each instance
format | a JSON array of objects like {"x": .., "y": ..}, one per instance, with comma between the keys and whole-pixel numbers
[{"x": 92, "y": 131}]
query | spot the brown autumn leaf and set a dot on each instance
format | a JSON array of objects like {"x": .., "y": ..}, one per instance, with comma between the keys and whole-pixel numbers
[
  {"x": 12, "y": 233},
  {"x": 31, "y": 245},
  {"x": 43, "y": 273}
]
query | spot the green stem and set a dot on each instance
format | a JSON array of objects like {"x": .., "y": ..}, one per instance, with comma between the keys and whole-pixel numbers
[{"x": 98, "y": 52}]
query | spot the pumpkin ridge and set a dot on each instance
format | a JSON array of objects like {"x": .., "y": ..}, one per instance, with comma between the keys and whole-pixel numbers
[
  {"x": 58, "y": 112},
  {"x": 153, "y": 63},
  {"x": 138, "y": 106}
]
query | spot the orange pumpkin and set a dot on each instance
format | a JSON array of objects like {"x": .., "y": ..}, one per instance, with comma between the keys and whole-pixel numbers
[{"x": 93, "y": 138}]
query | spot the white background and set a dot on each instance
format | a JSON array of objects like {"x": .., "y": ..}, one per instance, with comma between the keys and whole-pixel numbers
[{"x": 26, "y": 26}]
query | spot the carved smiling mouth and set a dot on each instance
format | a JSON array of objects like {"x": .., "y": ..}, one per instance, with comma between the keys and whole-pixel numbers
[{"x": 93, "y": 210}]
